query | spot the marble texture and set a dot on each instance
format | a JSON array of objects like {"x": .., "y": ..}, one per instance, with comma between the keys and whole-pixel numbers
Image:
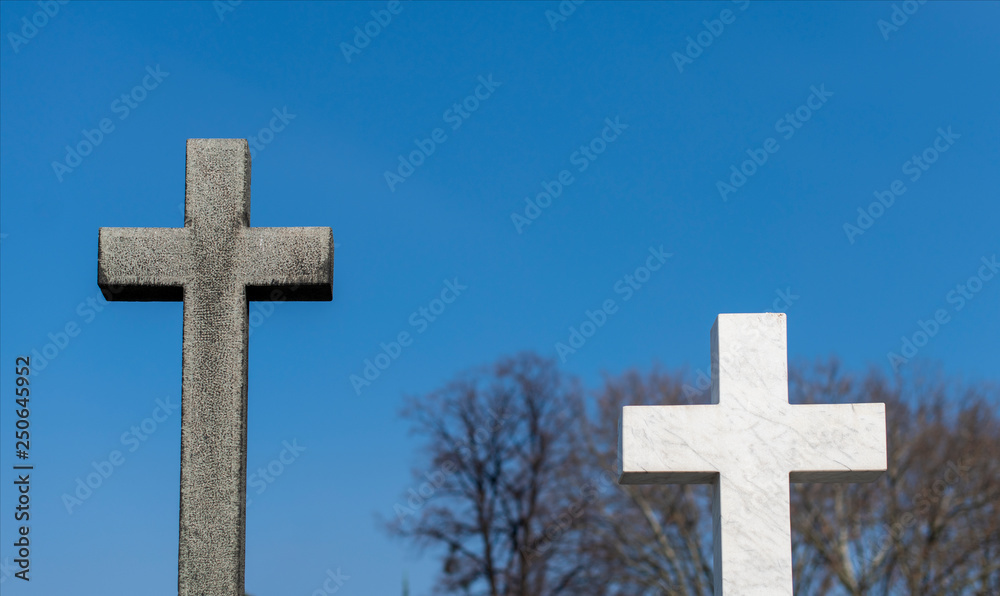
[
  {"x": 215, "y": 263},
  {"x": 749, "y": 444}
]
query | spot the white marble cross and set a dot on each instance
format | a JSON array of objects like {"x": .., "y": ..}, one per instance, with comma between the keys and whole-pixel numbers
[{"x": 749, "y": 444}]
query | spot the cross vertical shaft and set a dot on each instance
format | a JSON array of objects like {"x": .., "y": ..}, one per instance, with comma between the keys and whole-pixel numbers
[
  {"x": 214, "y": 371},
  {"x": 215, "y": 263},
  {"x": 751, "y": 504}
]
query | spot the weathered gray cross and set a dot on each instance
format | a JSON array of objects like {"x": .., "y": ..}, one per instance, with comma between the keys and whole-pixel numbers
[
  {"x": 749, "y": 444},
  {"x": 215, "y": 264}
]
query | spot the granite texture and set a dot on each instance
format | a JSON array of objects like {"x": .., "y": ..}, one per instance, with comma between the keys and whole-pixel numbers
[
  {"x": 749, "y": 444},
  {"x": 215, "y": 263}
]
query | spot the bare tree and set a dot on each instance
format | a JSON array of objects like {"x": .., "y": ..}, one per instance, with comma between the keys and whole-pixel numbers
[
  {"x": 519, "y": 490},
  {"x": 931, "y": 525},
  {"x": 501, "y": 493},
  {"x": 651, "y": 539}
]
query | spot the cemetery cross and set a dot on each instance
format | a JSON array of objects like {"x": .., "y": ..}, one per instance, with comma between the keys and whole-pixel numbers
[
  {"x": 215, "y": 264},
  {"x": 749, "y": 444}
]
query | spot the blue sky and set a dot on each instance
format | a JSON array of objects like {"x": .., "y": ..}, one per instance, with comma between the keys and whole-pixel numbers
[{"x": 635, "y": 128}]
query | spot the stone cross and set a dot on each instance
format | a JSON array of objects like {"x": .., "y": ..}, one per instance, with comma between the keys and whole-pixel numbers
[
  {"x": 215, "y": 264},
  {"x": 749, "y": 444}
]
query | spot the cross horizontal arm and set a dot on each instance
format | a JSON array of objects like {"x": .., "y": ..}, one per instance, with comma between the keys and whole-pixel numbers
[
  {"x": 144, "y": 264},
  {"x": 670, "y": 444},
  {"x": 839, "y": 443},
  {"x": 289, "y": 264}
]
